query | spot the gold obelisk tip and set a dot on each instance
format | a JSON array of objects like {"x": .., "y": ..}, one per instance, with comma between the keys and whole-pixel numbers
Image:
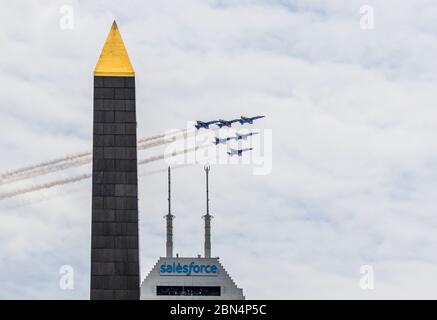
[{"x": 114, "y": 60}]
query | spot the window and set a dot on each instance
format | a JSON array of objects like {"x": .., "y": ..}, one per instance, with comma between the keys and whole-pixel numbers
[{"x": 187, "y": 291}]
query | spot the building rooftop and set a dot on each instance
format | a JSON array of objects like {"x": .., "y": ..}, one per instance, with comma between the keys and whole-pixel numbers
[{"x": 114, "y": 60}]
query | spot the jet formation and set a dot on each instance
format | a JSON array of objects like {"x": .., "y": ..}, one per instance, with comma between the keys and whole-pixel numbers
[
  {"x": 225, "y": 123},
  {"x": 238, "y": 136},
  {"x": 228, "y": 123}
]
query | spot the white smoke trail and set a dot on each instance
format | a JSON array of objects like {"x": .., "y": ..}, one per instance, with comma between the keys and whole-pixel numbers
[
  {"x": 144, "y": 146},
  {"x": 74, "y": 162},
  {"x": 169, "y": 138},
  {"x": 69, "y": 158},
  {"x": 86, "y": 176},
  {"x": 176, "y": 153},
  {"x": 159, "y": 136},
  {"x": 43, "y": 164},
  {"x": 46, "y": 170},
  {"x": 151, "y": 172},
  {"x": 38, "y": 198},
  {"x": 83, "y": 158},
  {"x": 169, "y": 134},
  {"x": 44, "y": 186},
  {"x": 19, "y": 203}
]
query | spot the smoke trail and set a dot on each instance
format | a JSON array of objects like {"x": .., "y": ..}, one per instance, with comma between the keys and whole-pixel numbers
[
  {"x": 160, "y": 136},
  {"x": 65, "y": 165},
  {"x": 66, "y": 158},
  {"x": 57, "y": 164},
  {"x": 163, "y": 156},
  {"x": 167, "y": 138},
  {"x": 44, "y": 186},
  {"x": 80, "y": 159},
  {"x": 45, "y": 170},
  {"x": 151, "y": 172},
  {"x": 86, "y": 176},
  {"x": 176, "y": 135},
  {"x": 43, "y": 164},
  {"x": 172, "y": 138},
  {"x": 74, "y": 162},
  {"x": 13, "y": 175},
  {"x": 71, "y": 163},
  {"x": 25, "y": 202},
  {"x": 143, "y": 146}
]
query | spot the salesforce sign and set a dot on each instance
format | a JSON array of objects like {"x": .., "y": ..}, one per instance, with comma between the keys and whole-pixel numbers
[{"x": 189, "y": 269}]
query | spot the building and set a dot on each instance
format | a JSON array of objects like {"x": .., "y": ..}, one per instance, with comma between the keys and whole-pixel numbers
[
  {"x": 189, "y": 278},
  {"x": 114, "y": 226}
]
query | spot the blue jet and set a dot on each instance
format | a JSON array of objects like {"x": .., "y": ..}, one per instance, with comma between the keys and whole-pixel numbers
[
  {"x": 205, "y": 125},
  {"x": 243, "y": 136},
  {"x": 228, "y": 123},
  {"x": 238, "y": 152},
  {"x": 244, "y": 120},
  {"x": 222, "y": 140}
]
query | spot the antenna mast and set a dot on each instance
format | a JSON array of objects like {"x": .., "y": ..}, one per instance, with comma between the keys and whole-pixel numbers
[
  {"x": 169, "y": 217},
  {"x": 207, "y": 217}
]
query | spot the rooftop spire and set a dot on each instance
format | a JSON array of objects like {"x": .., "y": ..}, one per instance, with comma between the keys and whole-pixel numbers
[
  {"x": 114, "y": 60},
  {"x": 169, "y": 217},
  {"x": 207, "y": 218}
]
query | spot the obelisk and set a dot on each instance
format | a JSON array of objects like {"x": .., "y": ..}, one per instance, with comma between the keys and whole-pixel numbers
[{"x": 114, "y": 234}]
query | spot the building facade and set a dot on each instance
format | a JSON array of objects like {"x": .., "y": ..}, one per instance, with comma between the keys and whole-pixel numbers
[
  {"x": 114, "y": 226},
  {"x": 189, "y": 279}
]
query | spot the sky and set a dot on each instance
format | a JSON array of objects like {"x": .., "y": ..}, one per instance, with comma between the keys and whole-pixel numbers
[{"x": 350, "y": 131}]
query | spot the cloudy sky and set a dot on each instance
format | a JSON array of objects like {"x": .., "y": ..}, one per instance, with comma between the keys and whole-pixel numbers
[{"x": 353, "y": 121}]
